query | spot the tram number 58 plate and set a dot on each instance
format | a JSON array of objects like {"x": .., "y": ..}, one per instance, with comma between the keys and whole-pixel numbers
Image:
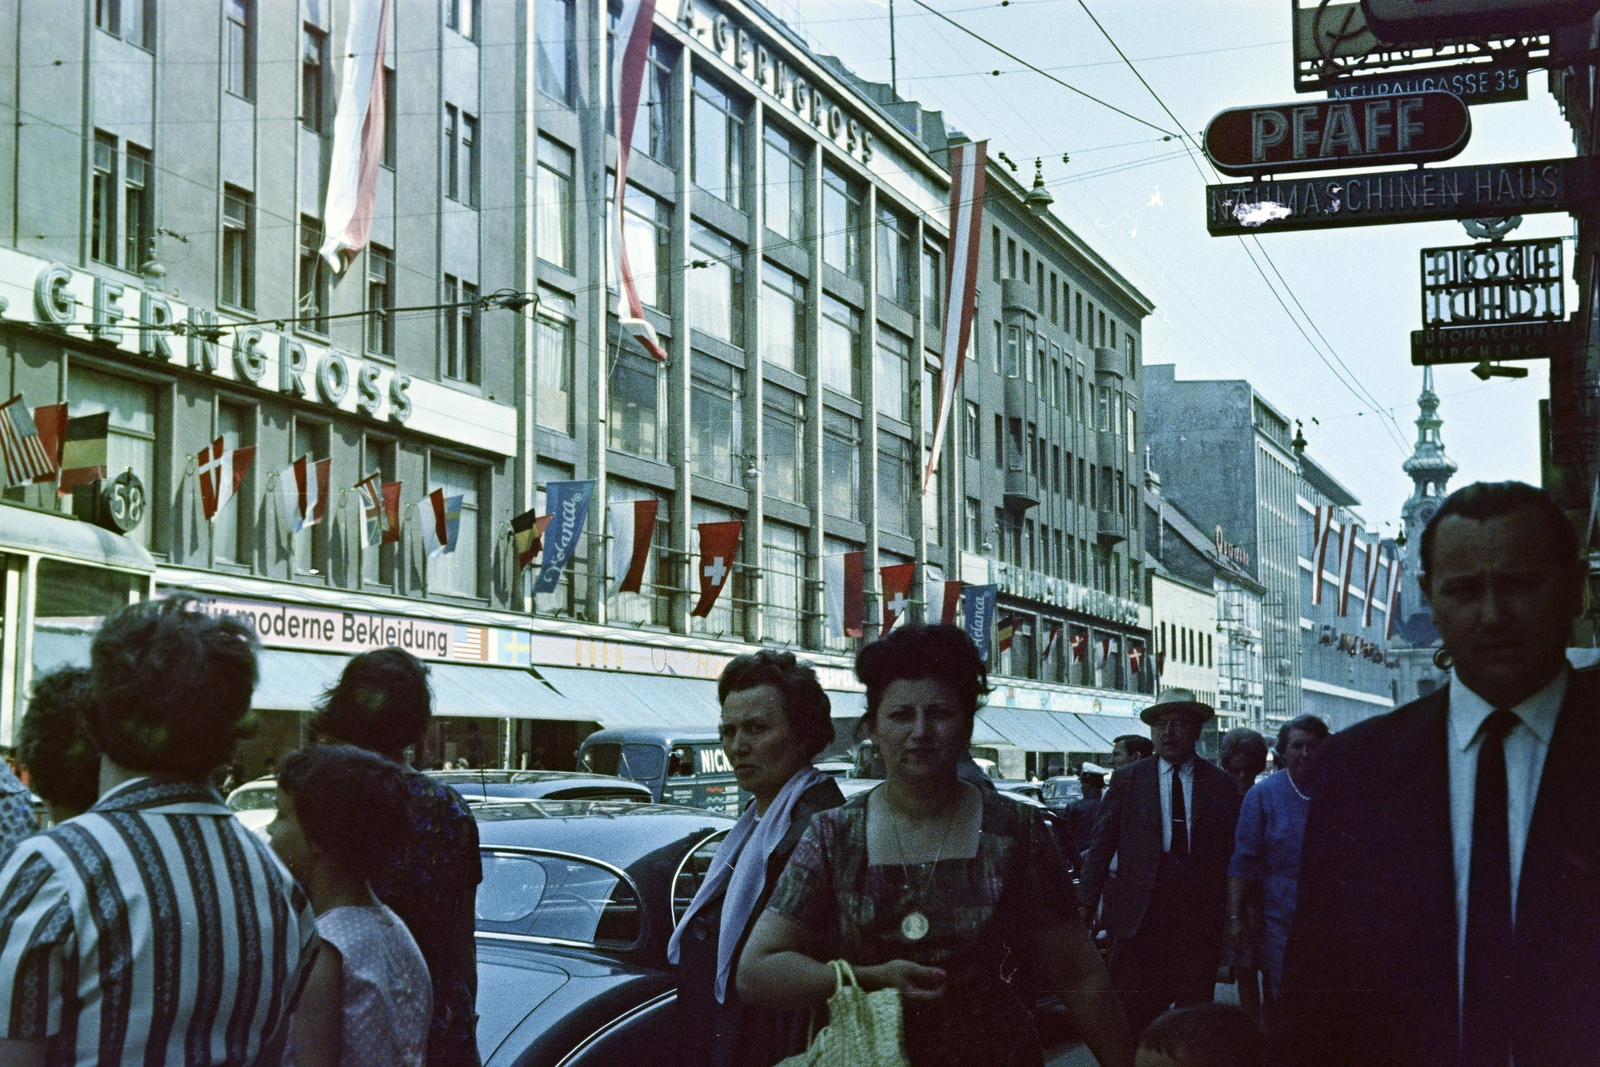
[{"x": 122, "y": 502}]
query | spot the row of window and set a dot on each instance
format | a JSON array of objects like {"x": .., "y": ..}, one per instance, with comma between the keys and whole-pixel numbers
[
  {"x": 1087, "y": 325},
  {"x": 1185, "y": 645},
  {"x": 1019, "y": 353},
  {"x": 1055, "y": 552}
]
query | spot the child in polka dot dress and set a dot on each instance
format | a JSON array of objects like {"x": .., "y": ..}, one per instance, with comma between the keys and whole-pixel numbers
[{"x": 342, "y": 814}]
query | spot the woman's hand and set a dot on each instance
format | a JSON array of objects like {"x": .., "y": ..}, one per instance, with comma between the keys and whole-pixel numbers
[{"x": 915, "y": 982}]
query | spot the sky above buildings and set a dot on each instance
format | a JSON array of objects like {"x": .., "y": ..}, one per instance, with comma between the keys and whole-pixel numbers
[{"x": 1139, "y": 200}]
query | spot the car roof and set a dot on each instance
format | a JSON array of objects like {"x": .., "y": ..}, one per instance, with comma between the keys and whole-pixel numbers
[
  {"x": 620, "y": 832},
  {"x": 659, "y": 735},
  {"x": 504, "y": 777}
]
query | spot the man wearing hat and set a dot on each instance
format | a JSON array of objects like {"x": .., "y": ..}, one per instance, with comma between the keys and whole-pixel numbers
[{"x": 1169, "y": 822}]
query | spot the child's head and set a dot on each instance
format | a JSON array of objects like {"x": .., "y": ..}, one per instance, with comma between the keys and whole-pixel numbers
[
  {"x": 52, "y": 743},
  {"x": 1203, "y": 1035},
  {"x": 342, "y": 805}
]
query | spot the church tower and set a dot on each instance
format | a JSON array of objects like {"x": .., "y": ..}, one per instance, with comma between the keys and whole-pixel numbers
[{"x": 1430, "y": 470}]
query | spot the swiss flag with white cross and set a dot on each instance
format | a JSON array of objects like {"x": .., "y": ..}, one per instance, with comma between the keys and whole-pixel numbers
[
  {"x": 719, "y": 548},
  {"x": 897, "y": 581}
]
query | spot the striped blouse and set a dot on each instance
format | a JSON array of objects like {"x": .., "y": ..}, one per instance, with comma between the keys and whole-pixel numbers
[{"x": 153, "y": 929}]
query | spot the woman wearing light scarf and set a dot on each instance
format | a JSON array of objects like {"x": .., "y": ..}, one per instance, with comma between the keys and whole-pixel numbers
[{"x": 775, "y": 721}]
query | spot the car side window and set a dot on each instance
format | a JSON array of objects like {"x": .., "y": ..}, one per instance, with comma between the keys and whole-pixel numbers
[
  {"x": 692, "y": 871},
  {"x": 681, "y": 763},
  {"x": 558, "y": 897}
]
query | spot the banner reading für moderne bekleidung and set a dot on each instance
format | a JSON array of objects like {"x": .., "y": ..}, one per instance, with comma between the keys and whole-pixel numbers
[{"x": 567, "y": 504}]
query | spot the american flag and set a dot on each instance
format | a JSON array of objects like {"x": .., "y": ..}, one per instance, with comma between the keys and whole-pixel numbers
[
  {"x": 469, "y": 643},
  {"x": 25, "y": 455}
]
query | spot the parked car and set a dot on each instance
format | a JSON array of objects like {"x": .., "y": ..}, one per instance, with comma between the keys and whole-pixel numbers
[
  {"x": 255, "y": 803},
  {"x": 578, "y": 900},
  {"x": 479, "y": 786},
  {"x": 835, "y": 768},
  {"x": 1027, "y": 792},
  {"x": 1060, "y": 791},
  {"x": 679, "y": 766},
  {"x": 851, "y": 786}
]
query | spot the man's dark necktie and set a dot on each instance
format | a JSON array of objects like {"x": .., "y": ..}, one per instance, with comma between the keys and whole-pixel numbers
[
  {"x": 1486, "y": 987},
  {"x": 1180, "y": 821}
]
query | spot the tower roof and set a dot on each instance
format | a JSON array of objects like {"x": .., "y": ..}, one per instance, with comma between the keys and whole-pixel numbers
[{"x": 1428, "y": 465}]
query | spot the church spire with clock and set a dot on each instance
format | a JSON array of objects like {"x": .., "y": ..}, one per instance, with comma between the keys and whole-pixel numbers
[{"x": 1430, "y": 470}]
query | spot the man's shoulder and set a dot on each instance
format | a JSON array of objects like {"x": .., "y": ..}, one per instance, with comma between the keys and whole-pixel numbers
[{"x": 1403, "y": 725}]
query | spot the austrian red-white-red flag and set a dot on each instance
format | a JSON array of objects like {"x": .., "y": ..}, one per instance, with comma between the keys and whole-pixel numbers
[
  {"x": 634, "y": 27},
  {"x": 633, "y": 522},
  {"x": 719, "y": 549},
  {"x": 303, "y": 492},
  {"x": 358, "y": 127},
  {"x": 1374, "y": 553},
  {"x": 1322, "y": 527},
  {"x": 967, "y": 163},
  {"x": 1347, "y": 565},
  {"x": 1393, "y": 611},
  {"x": 896, "y": 581},
  {"x": 1050, "y": 641},
  {"x": 943, "y": 596},
  {"x": 843, "y": 593},
  {"x": 222, "y": 471}
]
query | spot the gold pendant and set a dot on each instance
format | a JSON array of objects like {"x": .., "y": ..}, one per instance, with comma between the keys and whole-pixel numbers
[{"x": 914, "y": 926}]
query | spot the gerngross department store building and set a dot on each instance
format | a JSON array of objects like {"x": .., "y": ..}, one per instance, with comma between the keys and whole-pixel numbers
[{"x": 788, "y": 227}]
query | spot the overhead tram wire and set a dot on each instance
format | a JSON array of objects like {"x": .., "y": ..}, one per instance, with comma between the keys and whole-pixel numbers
[{"x": 1359, "y": 389}]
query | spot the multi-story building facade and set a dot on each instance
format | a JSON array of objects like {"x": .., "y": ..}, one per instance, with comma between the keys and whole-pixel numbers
[
  {"x": 1226, "y": 459},
  {"x": 787, "y": 228}
]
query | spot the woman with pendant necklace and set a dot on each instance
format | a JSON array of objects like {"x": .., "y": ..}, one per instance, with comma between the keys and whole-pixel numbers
[
  {"x": 952, "y": 894},
  {"x": 1266, "y": 851}
]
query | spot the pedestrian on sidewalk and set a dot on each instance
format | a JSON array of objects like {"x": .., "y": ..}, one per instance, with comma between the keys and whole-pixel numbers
[
  {"x": 1169, "y": 822},
  {"x": 343, "y": 815},
  {"x": 932, "y": 885},
  {"x": 53, "y": 744},
  {"x": 154, "y": 928},
  {"x": 383, "y": 703},
  {"x": 1243, "y": 754}
]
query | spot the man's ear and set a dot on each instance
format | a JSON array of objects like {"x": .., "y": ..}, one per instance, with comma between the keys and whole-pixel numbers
[{"x": 1426, "y": 585}]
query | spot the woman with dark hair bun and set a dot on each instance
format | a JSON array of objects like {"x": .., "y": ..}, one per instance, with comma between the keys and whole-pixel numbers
[
  {"x": 928, "y": 884},
  {"x": 383, "y": 703},
  {"x": 775, "y": 721}
]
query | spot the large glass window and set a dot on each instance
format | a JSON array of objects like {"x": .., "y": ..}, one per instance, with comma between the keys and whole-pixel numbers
[
  {"x": 932, "y": 290},
  {"x": 785, "y": 195},
  {"x": 557, "y": 340},
  {"x": 555, "y": 45},
  {"x": 457, "y": 571},
  {"x": 840, "y": 344},
  {"x": 894, "y": 485},
  {"x": 652, "y": 130},
  {"x": 892, "y": 378},
  {"x": 130, "y": 442},
  {"x": 378, "y": 562},
  {"x": 649, "y": 607},
  {"x": 715, "y": 419},
  {"x": 467, "y": 153},
  {"x": 783, "y": 566},
  {"x": 462, "y": 16},
  {"x": 310, "y": 546},
  {"x": 132, "y": 20},
  {"x": 238, "y": 248},
  {"x": 380, "y": 300},
  {"x": 238, "y": 48},
  {"x": 635, "y": 395},
  {"x": 103, "y": 200},
  {"x": 841, "y": 465},
  {"x": 973, "y": 431},
  {"x": 718, "y": 147},
  {"x": 136, "y": 214},
  {"x": 716, "y": 287},
  {"x": 783, "y": 441},
  {"x": 452, "y": 158},
  {"x": 553, "y": 211},
  {"x": 313, "y": 68},
  {"x": 972, "y": 524},
  {"x": 461, "y": 330},
  {"x": 894, "y": 259},
  {"x": 312, "y": 299},
  {"x": 783, "y": 319},
  {"x": 647, "y": 228},
  {"x": 229, "y": 541},
  {"x": 841, "y": 223}
]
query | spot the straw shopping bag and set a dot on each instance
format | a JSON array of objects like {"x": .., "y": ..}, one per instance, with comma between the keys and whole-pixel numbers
[{"x": 864, "y": 1029}]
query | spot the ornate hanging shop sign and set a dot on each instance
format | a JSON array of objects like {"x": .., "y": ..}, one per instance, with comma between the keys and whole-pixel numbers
[
  {"x": 1322, "y": 134},
  {"x": 1495, "y": 343},
  {"x": 1493, "y": 282}
]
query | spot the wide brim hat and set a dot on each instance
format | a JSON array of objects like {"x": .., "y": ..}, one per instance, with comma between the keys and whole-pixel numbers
[{"x": 1177, "y": 700}]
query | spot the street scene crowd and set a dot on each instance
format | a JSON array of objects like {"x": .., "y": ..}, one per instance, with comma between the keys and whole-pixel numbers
[{"x": 1418, "y": 889}]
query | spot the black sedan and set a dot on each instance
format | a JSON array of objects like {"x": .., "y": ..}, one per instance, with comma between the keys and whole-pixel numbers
[
  {"x": 577, "y": 903},
  {"x": 478, "y": 786}
]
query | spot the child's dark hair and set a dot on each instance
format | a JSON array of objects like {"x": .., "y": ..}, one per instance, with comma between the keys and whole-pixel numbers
[
  {"x": 351, "y": 803},
  {"x": 1206, "y": 1035},
  {"x": 54, "y": 745}
]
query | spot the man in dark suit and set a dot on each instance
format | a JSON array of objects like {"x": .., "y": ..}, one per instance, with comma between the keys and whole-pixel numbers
[
  {"x": 1450, "y": 878},
  {"x": 1169, "y": 822}
]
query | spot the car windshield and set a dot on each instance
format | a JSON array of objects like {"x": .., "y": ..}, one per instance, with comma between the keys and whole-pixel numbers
[
  {"x": 559, "y": 897},
  {"x": 255, "y": 798},
  {"x": 640, "y": 762}
]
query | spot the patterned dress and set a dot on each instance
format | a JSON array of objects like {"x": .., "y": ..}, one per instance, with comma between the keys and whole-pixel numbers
[
  {"x": 440, "y": 870},
  {"x": 981, "y": 913},
  {"x": 387, "y": 998}
]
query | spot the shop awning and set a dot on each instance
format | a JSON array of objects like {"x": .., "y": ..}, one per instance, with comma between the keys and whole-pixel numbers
[
  {"x": 615, "y": 698},
  {"x": 1039, "y": 731},
  {"x": 295, "y": 681},
  {"x": 1107, "y": 727}
]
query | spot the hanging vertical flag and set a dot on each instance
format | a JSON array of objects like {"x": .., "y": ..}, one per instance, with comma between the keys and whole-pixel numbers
[
  {"x": 1374, "y": 551},
  {"x": 84, "y": 451},
  {"x": 1105, "y": 651},
  {"x": 51, "y": 422},
  {"x": 527, "y": 536},
  {"x": 1056, "y": 627},
  {"x": 303, "y": 492},
  {"x": 1161, "y": 664},
  {"x": 440, "y": 519},
  {"x": 633, "y": 524},
  {"x": 1136, "y": 659},
  {"x": 358, "y": 128},
  {"x": 1393, "y": 599},
  {"x": 943, "y": 597},
  {"x": 1347, "y": 564},
  {"x": 1322, "y": 525},
  {"x": 222, "y": 470},
  {"x": 980, "y": 603},
  {"x": 844, "y": 593},
  {"x": 719, "y": 550},
  {"x": 896, "y": 581},
  {"x": 1005, "y": 632},
  {"x": 635, "y": 25},
  {"x": 23, "y": 448},
  {"x": 391, "y": 512},
  {"x": 1080, "y": 646},
  {"x": 967, "y": 163},
  {"x": 380, "y": 510},
  {"x": 568, "y": 505}
]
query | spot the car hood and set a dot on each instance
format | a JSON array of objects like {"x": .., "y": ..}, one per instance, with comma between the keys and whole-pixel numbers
[{"x": 512, "y": 982}]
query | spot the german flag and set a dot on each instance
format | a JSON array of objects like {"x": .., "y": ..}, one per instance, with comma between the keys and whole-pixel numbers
[
  {"x": 527, "y": 536},
  {"x": 83, "y": 452}
]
